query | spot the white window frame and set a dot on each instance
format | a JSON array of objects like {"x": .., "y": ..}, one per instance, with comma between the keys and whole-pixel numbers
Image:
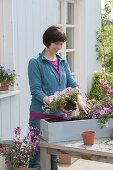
[
  {"x": 79, "y": 57},
  {"x": 64, "y": 25}
]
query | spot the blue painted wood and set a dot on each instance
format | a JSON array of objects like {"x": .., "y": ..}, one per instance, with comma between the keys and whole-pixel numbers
[{"x": 71, "y": 130}]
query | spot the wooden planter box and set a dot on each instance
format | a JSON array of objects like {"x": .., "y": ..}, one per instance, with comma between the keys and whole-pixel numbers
[{"x": 71, "y": 130}]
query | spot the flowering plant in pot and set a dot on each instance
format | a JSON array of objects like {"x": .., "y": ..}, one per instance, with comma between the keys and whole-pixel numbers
[
  {"x": 101, "y": 109},
  {"x": 7, "y": 77},
  {"x": 22, "y": 150},
  {"x": 66, "y": 98}
]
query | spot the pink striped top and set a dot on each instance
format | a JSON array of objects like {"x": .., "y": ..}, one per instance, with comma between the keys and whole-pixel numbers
[{"x": 55, "y": 66}]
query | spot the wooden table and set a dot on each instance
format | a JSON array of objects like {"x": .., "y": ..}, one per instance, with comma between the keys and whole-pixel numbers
[{"x": 102, "y": 151}]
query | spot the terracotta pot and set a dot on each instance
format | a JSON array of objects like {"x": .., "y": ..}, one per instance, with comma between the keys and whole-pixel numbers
[
  {"x": 4, "y": 86},
  {"x": 88, "y": 137},
  {"x": 21, "y": 168}
]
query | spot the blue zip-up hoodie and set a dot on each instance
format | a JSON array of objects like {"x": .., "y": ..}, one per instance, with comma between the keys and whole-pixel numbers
[{"x": 44, "y": 80}]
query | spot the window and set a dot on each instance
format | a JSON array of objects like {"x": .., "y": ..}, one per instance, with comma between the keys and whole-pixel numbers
[{"x": 67, "y": 19}]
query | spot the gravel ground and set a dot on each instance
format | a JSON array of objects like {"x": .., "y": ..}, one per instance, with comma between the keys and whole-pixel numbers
[{"x": 81, "y": 164}]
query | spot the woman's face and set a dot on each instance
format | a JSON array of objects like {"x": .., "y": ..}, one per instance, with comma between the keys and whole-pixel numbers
[{"x": 56, "y": 46}]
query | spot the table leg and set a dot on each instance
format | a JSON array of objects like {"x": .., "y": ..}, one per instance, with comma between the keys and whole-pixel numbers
[{"x": 45, "y": 161}]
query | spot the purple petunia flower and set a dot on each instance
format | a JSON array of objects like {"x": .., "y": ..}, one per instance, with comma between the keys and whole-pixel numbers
[
  {"x": 110, "y": 110},
  {"x": 94, "y": 116},
  {"x": 56, "y": 94},
  {"x": 100, "y": 111},
  {"x": 107, "y": 109},
  {"x": 9, "y": 71}
]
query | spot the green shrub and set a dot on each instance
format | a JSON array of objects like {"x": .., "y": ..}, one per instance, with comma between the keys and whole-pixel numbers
[
  {"x": 104, "y": 46},
  {"x": 95, "y": 92}
]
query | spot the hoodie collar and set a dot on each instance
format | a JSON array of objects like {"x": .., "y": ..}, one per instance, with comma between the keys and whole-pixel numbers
[{"x": 57, "y": 55}]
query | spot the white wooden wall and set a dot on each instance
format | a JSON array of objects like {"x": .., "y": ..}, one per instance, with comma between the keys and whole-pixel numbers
[
  {"x": 88, "y": 21},
  {"x": 22, "y": 23},
  {"x": 28, "y": 19}
]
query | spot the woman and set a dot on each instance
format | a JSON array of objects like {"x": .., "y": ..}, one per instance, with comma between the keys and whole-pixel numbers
[{"x": 48, "y": 72}]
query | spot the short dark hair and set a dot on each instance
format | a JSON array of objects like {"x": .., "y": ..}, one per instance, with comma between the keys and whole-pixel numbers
[{"x": 53, "y": 34}]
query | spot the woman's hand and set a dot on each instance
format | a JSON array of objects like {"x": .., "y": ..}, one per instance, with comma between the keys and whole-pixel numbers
[
  {"x": 46, "y": 100},
  {"x": 65, "y": 111},
  {"x": 82, "y": 106}
]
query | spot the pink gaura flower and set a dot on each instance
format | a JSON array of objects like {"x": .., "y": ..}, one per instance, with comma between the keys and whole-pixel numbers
[
  {"x": 17, "y": 145},
  {"x": 30, "y": 128},
  {"x": 17, "y": 130},
  {"x": 12, "y": 151},
  {"x": 31, "y": 133},
  {"x": 33, "y": 146}
]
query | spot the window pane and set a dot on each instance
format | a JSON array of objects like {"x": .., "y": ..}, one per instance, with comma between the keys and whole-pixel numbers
[
  {"x": 69, "y": 13},
  {"x": 59, "y": 11},
  {"x": 70, "y": 56},
  {"x": 70, "y": 38}
]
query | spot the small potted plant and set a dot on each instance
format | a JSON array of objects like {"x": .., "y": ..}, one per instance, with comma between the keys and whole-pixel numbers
[
  {"x": 22, "y": 150},
  {"x": 66, "y": 98},
  {"x": 7, "y": 77}
]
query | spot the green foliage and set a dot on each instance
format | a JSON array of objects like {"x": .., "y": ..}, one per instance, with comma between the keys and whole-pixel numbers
[
  {"x": 95, "y": 88},
  {"x": 108, "y": 77},
  {"x": 95, "y": 92},
  {"x": 105, "y": 14},
  {"x": 104, "y": 46}
]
